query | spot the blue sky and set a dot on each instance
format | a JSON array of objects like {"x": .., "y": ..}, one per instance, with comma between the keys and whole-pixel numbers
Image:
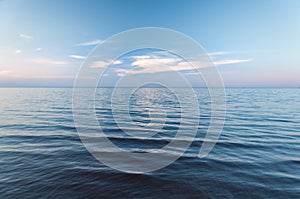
[{"x": 253, "y": 43}]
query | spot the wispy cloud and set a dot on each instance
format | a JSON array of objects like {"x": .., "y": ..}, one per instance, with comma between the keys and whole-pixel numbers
[
  {"x": 90, "y": 43},
  {"x": 77, "y": 57},
  {"x": 38, "y": 49},
  {"x": 213, "y": 54},
  {"x": 117, "y": 62},
  {"x": 155, "y": 63},
  {"x": 102, "y": 64},
  {"x": 18, "y": 51},
  {"x": 5, "y": 72},
  {"x": 99, "y": 64},
  {"x": 137, "y": 57},
  {"x": 25, "y": 36},
  {"x": 49, "y": 62},
  {"x": 8, "y": 74},
  {"x": 230, "y": 61},
  {"x": 53, "y": 77}
]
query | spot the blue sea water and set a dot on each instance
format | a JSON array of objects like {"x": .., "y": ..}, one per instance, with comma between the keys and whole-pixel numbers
[{"x": 257, "y": 155}]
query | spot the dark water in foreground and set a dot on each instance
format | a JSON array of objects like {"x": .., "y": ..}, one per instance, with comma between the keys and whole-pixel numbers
[{"x": 257, "y": 156}]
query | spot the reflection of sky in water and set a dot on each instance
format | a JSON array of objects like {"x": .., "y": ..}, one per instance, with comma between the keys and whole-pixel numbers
[{"x": 259, "y": 146}]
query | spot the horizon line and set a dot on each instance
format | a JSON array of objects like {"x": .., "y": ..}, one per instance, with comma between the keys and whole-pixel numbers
[{"x": 296, "y": 87}]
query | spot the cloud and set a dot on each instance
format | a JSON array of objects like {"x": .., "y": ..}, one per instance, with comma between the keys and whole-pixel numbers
[
  {"x": 99, "y": 64},
  {"x": 160, "y": 63},
  {"x": 117, "y": 62},
  {"x": 25, "y": 37},
  {"x": 18, "y": 51},
  {"x": 53, "y": 77},
  {"x": 213, "y": 54},
  {"x": 102, "y": 64},
  {"x": 90, "y": 43},
  {"x": 49, "y": 62},
  {"x": 155, "y": 60},
  {"x": 5, "y": 72},
  {"x": 226, "y": 61},
  {"x": 230, "y": 61},
  {"x": 155, "y": 63},
  {"x": 141, "y": 57},
  {"x": 8, "y": 74},
  {"x": 122, "y": 72},
  {"x": 77, "y": 56},
  {"x": 38, "y": 49}
]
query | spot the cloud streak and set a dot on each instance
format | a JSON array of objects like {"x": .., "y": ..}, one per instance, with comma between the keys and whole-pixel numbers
[
  {"x": 18, "y": 51},
  {"x": 213, "y": 54},
  {"x": 49, "y": 62},
  {"x": 90, "y": 43},
  {"x": 5, "y": 72},
  {"x": 77, "y": 57},
  {"x": 102, "y": 64},
  {"x": 231, "y": 61},
  {"x": 155, "y": 63},
  {"x": 25, "y": 37}
]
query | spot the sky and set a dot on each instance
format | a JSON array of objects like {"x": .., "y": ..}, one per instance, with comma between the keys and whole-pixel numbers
[{"x": 253, "y": 43}]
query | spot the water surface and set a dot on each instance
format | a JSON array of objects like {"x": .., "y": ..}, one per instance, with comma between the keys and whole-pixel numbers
[{"x": 257, "y": 155}]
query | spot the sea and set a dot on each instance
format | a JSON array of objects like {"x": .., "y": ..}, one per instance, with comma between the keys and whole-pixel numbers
[{"x": 256, "y": 156}]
